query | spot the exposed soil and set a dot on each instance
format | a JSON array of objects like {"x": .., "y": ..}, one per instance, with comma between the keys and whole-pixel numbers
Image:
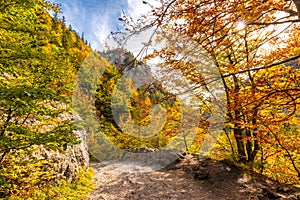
[{"x": 189, "y": 178}]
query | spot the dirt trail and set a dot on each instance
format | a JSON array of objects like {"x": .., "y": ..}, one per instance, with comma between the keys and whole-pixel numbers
[{"x": 187, "y": 179}]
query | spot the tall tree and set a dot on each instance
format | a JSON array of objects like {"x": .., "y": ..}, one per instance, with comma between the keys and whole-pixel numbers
[
  {"x": 39, "y": 58},
  {"x": 252, "y": 43}
]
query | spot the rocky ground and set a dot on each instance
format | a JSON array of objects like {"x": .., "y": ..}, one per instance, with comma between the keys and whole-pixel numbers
[{"x": 189, "y": 178}]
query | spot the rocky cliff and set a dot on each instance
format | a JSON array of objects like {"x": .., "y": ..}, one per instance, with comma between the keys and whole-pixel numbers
[{"x": 65, "y": 163}]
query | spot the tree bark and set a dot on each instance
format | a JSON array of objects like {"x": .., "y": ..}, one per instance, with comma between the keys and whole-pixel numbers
[
  {"x": 297, "y": 4},
  {"x": 242, "y": 157}
]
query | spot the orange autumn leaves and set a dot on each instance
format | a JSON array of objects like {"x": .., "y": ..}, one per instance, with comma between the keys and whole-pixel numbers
[{"x": 258, "y": 64}]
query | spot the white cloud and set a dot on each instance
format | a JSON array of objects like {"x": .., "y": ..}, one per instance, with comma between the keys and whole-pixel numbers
[
  {"x": 101, "y": 28},
  {"x": 136, "y": 8},
  {"x": 97, "y": 18},
  {"x": 72, "y": 10}
]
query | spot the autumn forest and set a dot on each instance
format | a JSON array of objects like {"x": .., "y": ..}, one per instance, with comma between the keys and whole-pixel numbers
[{"x": 225, "y": 86}]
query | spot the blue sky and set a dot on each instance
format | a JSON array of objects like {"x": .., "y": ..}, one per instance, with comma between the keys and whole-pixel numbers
[{"x": 97, "y": 18}]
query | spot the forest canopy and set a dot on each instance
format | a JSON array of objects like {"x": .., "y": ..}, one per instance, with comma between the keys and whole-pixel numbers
[
  {"x": 39, "y": 58},
  {"x": 255, "y": 47}
]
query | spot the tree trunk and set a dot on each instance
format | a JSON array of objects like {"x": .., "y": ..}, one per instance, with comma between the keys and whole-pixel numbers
[
  {"x": 247, "y": 151},
  {"x": 242, "y": 157},
  {"x": 254, "y": 151}
]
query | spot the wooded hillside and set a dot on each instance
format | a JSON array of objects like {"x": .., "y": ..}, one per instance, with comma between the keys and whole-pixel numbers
[
  {"x": 39, "y": 58},
  {"x": 253, "y": 45}
]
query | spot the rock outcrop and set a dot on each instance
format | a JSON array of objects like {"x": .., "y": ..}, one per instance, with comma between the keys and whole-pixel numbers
[{"x": 66, "y": 163}]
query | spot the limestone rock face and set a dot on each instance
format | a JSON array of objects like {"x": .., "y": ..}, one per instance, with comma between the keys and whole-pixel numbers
[{"x": 66, "y": 163}]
